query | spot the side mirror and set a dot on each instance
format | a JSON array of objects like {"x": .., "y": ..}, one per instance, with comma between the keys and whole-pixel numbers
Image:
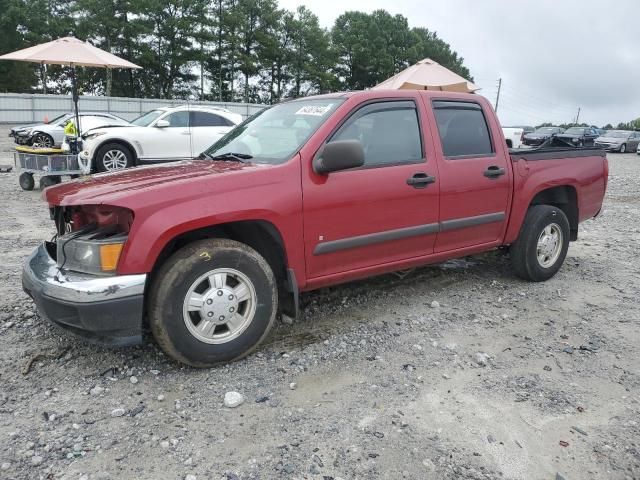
[
  {"x": 162, "y": 123},
  {"x": 340, "y": 155}
]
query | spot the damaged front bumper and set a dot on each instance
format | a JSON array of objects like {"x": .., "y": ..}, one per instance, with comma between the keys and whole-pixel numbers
[
  {"x": 21, "y": 138},
  {"x": 104, "y": 310}
]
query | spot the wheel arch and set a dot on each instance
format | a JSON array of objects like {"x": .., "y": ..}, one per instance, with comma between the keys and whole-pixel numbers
[
  {"x": 125, "y": 143},
  {"x": 564, "y": 197},
  {"x": 261, "y": 235},
  {"x": 42, "y": 132}
]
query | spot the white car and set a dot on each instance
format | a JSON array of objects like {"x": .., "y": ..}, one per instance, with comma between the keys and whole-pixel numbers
[
  {"x": 162, "y": 135},
  {"x": 515, "y": 135},
  {"x": 51, "y": 134}
]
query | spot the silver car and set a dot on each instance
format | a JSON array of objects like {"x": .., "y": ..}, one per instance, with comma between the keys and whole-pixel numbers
[
  {"x": 51, "y": 134},
  {"x": 619, "y": 141}
]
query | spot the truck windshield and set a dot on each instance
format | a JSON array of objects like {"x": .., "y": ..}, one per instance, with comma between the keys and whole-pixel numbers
[{"x": 273, "y": 135}]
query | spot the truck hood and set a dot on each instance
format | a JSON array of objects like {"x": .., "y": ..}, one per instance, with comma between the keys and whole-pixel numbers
[{"x": 121, "y": 188}]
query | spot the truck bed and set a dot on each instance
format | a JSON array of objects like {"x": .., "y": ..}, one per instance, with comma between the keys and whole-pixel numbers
[{"x": 553, "y": 153}]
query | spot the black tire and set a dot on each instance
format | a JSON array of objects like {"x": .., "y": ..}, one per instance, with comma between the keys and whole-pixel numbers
[
  {"x": 623, "y": 148},
  {"x": 109, "y": 149},
  {"x": 49, "y": 180},
  {"x": 172, "y": 284},
  {"x": 26, "y": 181},
  {"x": 524, "y": 252},
  {"x": 42, "y": 140}
]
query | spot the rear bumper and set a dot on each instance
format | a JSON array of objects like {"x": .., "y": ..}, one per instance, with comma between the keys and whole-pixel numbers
[{"x": 103, "y": 310}]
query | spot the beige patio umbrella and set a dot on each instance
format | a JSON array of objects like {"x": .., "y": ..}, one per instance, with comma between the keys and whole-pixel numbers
[
  {"x": 428, "y": 75},
  {"x": 73, "y": 52}
]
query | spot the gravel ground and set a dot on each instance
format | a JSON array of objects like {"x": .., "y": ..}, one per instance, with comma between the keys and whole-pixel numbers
[{"x": 457, "y": 371}]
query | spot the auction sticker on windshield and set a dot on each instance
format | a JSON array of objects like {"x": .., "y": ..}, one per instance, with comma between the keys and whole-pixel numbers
[{"x": 314, "y": 110}]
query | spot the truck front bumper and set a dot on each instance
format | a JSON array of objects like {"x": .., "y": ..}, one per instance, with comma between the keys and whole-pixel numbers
[{"x": 103, "y": 310}]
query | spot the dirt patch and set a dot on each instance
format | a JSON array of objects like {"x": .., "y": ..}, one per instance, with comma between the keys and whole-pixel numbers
[{"x": 505, "y": 379}]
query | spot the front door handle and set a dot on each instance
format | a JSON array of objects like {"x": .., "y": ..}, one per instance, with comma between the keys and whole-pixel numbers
[
  {"x": 494, "y": 172},
  {"x": 420, "y": 180}
]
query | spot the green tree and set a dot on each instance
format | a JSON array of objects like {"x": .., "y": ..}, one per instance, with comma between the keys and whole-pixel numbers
[
  {"x": 218, "y": 49},
  {"x": 427, "y": 44},
  {"x": 18, "y": 77}
]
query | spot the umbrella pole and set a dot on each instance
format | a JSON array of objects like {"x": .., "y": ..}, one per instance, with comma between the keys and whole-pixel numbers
[{"x": 74, "y": 93}]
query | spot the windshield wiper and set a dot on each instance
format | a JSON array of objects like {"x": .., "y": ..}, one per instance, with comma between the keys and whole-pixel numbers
[{"x": 238, "y": 157}]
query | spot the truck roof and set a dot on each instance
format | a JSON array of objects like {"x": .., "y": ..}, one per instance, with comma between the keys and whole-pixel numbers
[{"x": 381, "y": 93}]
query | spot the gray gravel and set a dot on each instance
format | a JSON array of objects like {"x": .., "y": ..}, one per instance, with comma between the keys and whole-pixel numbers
[{"x": 457, "y": 371}]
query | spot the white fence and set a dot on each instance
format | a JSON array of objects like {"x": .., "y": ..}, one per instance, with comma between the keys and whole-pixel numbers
[{"x": 28, "y": 108}]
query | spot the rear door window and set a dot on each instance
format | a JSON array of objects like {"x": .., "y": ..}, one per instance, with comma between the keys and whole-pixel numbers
[{"x": 463, "y": 129}]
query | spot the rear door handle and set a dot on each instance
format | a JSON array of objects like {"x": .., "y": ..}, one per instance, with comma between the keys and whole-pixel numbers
[
  {"x": 494, "y": 172},
  {"x": 420, "y": 180}
]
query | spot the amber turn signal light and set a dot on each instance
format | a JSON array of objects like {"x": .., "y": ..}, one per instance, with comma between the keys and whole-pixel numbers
[{"x": 109, "y": 256}]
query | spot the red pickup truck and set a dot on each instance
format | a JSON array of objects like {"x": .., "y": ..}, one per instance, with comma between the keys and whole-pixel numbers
[{"x": 306, "y": 194}]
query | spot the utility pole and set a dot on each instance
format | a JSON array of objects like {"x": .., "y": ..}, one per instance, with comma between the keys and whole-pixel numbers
[
  {"x": 498, "y": 94},
  {"x": 578, "y": 116}
]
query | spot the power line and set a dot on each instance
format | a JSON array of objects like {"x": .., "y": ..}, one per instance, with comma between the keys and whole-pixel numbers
[
  {"x": 525, "y": 113},
  {"x": 538, "y": 100},
  {"x": 535, "y": 104}
]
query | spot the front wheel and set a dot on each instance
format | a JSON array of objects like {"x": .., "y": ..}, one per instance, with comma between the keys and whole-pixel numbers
[
  {"x": 42, "y": 140},
  {"x": 542, "y": 245},
  {"x": 623, "y": 148},
  {"x": 213, "y": 301},
  {"x": 113, "y": 157}
]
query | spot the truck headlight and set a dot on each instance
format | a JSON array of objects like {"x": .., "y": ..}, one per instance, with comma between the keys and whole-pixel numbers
[
  {"x": 96, "y": 253},
  {"x": 575, "y": 139}
]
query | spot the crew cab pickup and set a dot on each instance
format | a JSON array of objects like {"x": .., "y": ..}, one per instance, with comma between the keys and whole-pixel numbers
[{"x": 306, "y": 194}]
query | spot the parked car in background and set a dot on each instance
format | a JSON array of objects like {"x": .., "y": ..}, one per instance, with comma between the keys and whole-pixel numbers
[
  {"x": 161, "y": 135},
  {"x": 579, "y": 136},
  {"x": 619, "y": 141},
  {"x": 51, "y": 134},
  {"x": 514, "y": 135},
  {"x": 307, "y": 194},
  {"x": 541, "y": 135}
]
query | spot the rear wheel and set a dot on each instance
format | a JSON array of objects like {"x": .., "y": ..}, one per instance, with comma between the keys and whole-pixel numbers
[
  {"x": 542, "y": 245},
  {"x": 113, "y": 157},
  {"x": 212, "y": 302}
]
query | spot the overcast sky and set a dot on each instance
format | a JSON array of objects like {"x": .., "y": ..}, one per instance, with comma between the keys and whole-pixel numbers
[{"x": 552, "y": 56}]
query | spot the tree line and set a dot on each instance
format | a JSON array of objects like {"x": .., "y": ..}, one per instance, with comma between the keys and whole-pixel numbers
[{"x": 227, "y": 50}]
